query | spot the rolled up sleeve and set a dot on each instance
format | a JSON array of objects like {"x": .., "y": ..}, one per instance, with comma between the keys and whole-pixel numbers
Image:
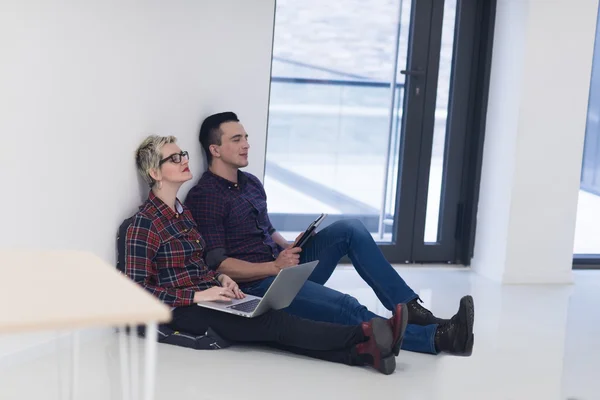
[{"x": 215, "y": 257}]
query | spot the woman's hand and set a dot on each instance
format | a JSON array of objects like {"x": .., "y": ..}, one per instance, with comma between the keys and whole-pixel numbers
[
  {"x": 230, "y": 284},
  {"x": 216, "y": 293}
]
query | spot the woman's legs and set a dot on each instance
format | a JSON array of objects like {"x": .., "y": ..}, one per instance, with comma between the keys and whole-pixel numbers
[
  {"x": 275, "y": 326},
  {"x": 347, "y": 357},
  {"x": 369, "y": 343},
  {"x": 377, "y": 351}
]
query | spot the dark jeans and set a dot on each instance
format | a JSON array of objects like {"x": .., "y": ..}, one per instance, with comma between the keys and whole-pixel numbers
[
  {"x": 326, "y": 341},
  {"x": 320, "y": 303}
]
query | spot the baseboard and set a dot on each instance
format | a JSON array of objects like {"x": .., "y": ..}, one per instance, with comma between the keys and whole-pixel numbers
[
  {"x": 56, "y": 341},
  {"x": 559, "y": 278}
]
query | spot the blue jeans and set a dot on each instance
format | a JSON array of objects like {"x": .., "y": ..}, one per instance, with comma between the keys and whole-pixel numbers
[{"x": 320, "y": 303}]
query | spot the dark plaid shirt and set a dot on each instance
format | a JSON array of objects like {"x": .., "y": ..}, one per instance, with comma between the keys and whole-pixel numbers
[
  {"x": 165, "y": 253},
  {"x": 232, "y": 218}
]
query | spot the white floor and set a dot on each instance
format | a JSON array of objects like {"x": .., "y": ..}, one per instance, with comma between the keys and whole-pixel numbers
[{"x": 532, "y": 342}]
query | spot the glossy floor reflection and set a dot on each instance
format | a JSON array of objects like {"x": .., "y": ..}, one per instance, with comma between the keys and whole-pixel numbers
[{"x": 532, "y": 342}]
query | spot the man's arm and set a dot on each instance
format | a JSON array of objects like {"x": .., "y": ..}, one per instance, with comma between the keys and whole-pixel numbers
[
  {"x": 280, "y": 240},
  {"x": 244, "y": 271},
  {"x": 277, "y": 237}
]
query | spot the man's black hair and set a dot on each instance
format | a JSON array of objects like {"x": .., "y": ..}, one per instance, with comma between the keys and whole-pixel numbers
[{"x": 210, "y": 131}]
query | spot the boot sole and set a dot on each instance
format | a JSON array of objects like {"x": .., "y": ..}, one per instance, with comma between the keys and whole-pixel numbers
[
  {"x": 388, "y": 365},
  {"x": 384, "y": 339},
  {"x": 404, "y": 323},
  {"x": 466, "y": 304}
]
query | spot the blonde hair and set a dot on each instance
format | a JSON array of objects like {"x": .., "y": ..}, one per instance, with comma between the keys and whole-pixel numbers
[{"x": 148, "y": 156}]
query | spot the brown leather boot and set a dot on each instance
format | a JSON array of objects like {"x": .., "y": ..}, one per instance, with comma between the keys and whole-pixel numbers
[
  {"x": 377, "y": 349},
  {"x": 398, "y": 323}
]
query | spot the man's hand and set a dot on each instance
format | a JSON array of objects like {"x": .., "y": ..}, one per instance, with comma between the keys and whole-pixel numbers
[
  {"x": 230, "y": 284},
  {"x": 299, "y": 236},
  {"x": 216, "y": 293},
  {"x": 288, "y": 258},
  {"x": 296, "y": 240}
]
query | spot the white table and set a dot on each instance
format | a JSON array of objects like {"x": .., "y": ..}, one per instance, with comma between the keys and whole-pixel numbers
[{"x": 72, "y": 290}]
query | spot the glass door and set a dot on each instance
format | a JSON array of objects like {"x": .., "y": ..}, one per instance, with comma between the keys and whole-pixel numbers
[
  {"x": 336, "y": 96},
  {"x": 586, "y": 249},
  {"x": 359, "y": 127}
]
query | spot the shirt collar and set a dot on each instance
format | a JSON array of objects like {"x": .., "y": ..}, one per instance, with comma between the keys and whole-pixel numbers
[
  {"x": 241, "y": 183},
  {"x": 164, "y": 209}
]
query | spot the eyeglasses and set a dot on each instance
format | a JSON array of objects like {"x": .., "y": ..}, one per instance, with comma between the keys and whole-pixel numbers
[{"x": 175, "y": 158}]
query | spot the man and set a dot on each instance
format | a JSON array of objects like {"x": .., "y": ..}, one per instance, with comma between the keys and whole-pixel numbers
[{"x": 230, "y": 209}]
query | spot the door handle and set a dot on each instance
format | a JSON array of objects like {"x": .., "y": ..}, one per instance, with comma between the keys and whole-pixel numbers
[{"x": 413, "y": 72}]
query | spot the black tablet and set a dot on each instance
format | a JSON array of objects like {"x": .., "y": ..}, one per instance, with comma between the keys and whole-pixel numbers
[{"x": 309, "y": 231}]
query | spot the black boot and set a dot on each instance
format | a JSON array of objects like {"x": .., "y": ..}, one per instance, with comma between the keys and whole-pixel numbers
[
  {"x": 456, "y": 336},
  {"x": 419, "y": 315}
]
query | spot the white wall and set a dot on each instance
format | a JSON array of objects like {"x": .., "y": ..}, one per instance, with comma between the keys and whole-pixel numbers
[
  {"x": 82, "y": 83},
  {"x": 540, "y": 80},
  {"x": 21, "y": 346}
]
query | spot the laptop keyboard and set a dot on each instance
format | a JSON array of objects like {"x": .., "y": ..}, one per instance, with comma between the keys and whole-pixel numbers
[{"x": 247, "y": 306}]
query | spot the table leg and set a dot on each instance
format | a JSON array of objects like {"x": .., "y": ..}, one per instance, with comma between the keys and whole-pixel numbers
[
  {"x": 134, "y": 363},
  {"x": 150, "y": 367},
  {"x": 74, "y": 364},
  {"x": 124, "y": 355},
  {"x": 59, "y": 369}
]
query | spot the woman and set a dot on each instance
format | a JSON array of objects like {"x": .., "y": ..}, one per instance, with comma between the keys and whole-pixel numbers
[{"x": 165, "y": 256}]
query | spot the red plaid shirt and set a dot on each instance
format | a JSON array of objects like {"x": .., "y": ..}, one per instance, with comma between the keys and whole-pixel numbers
[{"x": 165, "y": 253}]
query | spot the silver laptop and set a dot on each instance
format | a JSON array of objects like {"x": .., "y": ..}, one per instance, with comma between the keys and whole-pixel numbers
[{"x": 280, "y": 294}]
